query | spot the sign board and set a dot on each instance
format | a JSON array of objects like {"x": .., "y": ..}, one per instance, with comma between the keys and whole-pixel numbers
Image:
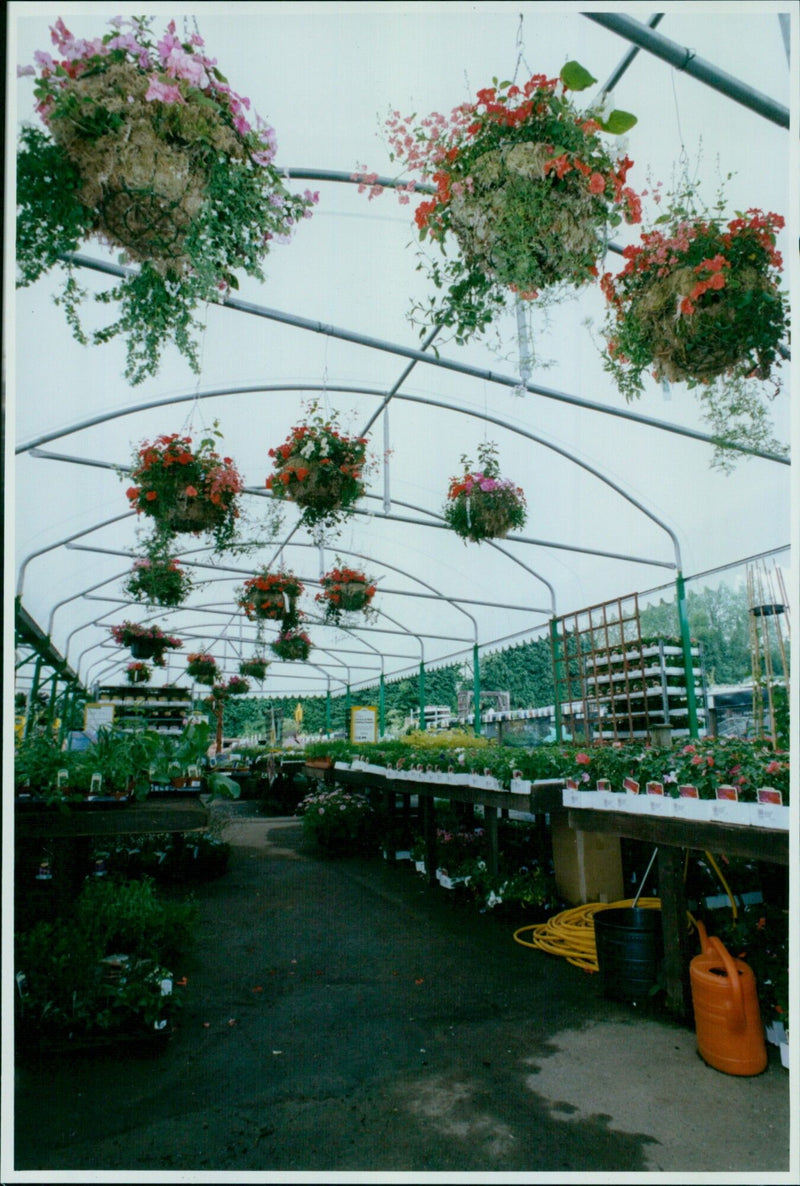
[
  {"x": 95, "y": 716},
  {"x": 363, "y": 724}
]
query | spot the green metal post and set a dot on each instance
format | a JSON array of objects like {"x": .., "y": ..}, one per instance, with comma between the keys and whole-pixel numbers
[
  {"x": 688, "y": 665},
  {"x": 51, "y": 704},
  {"x": 476, "y": 690},
  {"x": 381, "y": 707},
  {"x": 556, "y": 700},
  {"x": 328, "y": 712},
  {"x": 32, "y": 697},
  {"x": 347, "y": 713},
  {"x": 422, "y": 694}
]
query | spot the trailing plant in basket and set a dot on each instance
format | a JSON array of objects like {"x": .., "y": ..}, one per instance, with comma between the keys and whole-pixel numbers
[
  {"x": 291, "y": 644},
  {"x": 146, "y": 642},
  {"x": 270, "y": 596},
  {"x": 237, "y": 685},
  {"x": 482, "y": 505},
  {"x": 525, "y": 187},
  {"x": 185, "y": 488},
  {"x": 319, "y": 468},
  {"x": 255, "y": 668},
  {"x": 202, "y": 667},
  {"x": 698, "y": 302},
  {"x": 148, "y": 148},
  {"x": 138, "y": 673},
  {"x": 159, "y": 579},
  {"x": 344, "y": 590}
]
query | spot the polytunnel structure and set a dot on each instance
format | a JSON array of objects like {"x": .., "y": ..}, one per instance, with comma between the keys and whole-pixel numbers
[{"x": 622, "y": 496}]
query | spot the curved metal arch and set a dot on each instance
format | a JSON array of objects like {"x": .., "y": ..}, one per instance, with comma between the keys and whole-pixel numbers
[{"x": 386, "y": 347}]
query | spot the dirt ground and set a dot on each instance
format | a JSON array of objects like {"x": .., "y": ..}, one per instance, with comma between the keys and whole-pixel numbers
[{"x": 342, "y": 1016}]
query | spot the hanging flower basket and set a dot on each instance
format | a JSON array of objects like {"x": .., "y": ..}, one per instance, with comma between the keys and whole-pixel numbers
[
  {"x": 292, "y": 644},
  {"x": 482, "y": 505},
  {"x": 185, "y": 488},
  {"x": 145, "y": 642},
  {"x": 138, "y": 673},
  {"x": 697, "y": 300},
  {"x": 344, "y": 590},
  {"x": 159, "y": 580},
  {"x": 149, "y": 149},
  {"x": 202, "y": 667},
  {"x": 270, "y": 596},
  {"x": 525, "y": 186},
  {"x": 319, "y": 469},
  {"x": 255, "y": 668},
  {"x": 237, "y": 686}
]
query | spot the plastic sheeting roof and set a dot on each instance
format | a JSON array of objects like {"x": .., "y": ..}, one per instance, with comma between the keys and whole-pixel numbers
[{"x": 325, "y": 76}]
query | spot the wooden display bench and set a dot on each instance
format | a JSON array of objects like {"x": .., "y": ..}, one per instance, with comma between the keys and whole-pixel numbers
[{"x": 671, "y": 837}]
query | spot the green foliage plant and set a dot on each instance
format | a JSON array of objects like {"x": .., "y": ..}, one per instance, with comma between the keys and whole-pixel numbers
[
  {"x": 339, "y": 822},
  {"x": 525, "y": 191},
  {"x": 147, "y": 148}
]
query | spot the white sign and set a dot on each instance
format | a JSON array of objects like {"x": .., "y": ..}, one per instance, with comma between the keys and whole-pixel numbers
[
  {"x": 95, "y": 716},
  {"x": 363, "y": 724}
]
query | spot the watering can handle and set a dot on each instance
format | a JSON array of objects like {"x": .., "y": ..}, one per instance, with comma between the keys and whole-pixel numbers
[
  {"x": 703, "y": 933},
  {"x": 719, "y": 948}
]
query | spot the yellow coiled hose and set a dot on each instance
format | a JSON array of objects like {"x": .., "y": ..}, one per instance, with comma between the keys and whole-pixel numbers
[{"x": 570, "y": 934}]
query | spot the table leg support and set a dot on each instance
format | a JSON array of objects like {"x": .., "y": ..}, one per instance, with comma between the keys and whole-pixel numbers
[{"x": 673, "y": 920}]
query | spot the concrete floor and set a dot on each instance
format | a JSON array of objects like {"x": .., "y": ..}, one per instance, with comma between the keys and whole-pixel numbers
[{"x": 342, "y": 1017}]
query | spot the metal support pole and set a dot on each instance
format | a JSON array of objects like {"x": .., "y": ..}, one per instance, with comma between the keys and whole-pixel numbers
[
  {"x": 556, "y": 700},
  {"x": 476, "y": 690},
  {"x": 688, "y": 665},
  {"x": 381, "y": 706},
  {"x": 347, "y": 712},
  {"x": 422, "y": 695},
  {"x": 328, "y": 711},
  {"x": 51, "y": 704}
]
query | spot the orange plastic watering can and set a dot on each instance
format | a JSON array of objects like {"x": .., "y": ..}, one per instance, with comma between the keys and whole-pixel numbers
[{"x": 730, "y": 1032}]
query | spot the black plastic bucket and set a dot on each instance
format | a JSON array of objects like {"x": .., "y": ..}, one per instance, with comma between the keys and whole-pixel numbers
[{"x": 629, "y": 951}]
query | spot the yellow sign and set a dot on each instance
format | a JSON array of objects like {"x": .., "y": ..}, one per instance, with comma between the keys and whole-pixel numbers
[
  {"x": 298, "y": 713},
  {"x": 363, "y": 724}
]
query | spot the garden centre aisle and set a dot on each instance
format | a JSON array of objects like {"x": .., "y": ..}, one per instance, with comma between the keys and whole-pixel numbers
[{"x": 343, "y": 1016}]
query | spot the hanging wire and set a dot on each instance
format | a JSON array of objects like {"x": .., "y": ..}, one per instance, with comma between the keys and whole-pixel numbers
[{"x": 520, "y": 46}]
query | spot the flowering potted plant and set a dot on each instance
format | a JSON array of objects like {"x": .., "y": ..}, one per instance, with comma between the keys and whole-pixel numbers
[
  {"x": 138, "y": 673},
  {"x": 319, "y": 468},
  {"x": 185, "y": 488},
  {"x": 255, "y": 668},
  {"x": 698, "y": 302},
  {"x": 292, "y": 643},
  {"x": 201, "y": 667},
  {"x": 149, "y": 149},
  {"x": 344, "y": 590},
  {"x": 237, "y": 686},
  {"x": 482, "y": 505},
  {"x": 270, "y": 595},
  {"x": 525, "y": 186},
  {"x": 158, "y": 579},
  {"x": 146, "y": 642}
]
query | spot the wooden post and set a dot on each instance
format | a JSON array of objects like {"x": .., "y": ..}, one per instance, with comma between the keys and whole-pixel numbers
[
  {"x": 429, "y": 832},
  {"x": 490, "y": 817},
  {"x": 673, "y": 921}
]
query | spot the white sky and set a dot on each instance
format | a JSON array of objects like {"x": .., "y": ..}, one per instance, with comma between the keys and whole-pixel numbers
[{"x": 325, "y": 76}]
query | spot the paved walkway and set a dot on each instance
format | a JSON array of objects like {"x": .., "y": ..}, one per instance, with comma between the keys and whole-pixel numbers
[{"x": 342, "y": 1016}]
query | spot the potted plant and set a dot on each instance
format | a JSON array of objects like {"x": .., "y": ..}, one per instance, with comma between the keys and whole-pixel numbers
[
  {"x": 158, "y": 579},
  {"x": 482, "y": 505},
  {"x": 186, "y": 488},
  {"x": 148, "y": 148},
  {"x": 138, "y": 673},
  {"x": 344, "y": 590},
  {"x": 237, "y": 686},
  {"x": 146, "y": 642},
  {"x": 524, "y": 185},
  {"x": 698, "y": 302},
  {"x": 291, "y": 644},
  {"x": 319, "y": 468},
  {"x": 270, "y": 595},
  {"x": 255, "y": 668},
  {"x": 202, "y": 667}
]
